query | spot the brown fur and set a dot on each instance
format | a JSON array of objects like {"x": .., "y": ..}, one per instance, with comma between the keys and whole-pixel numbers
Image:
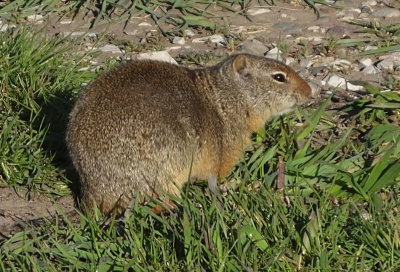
[{"x": 146, "y": 126}]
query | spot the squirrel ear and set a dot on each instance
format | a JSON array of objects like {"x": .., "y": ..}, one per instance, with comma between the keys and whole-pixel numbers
[{"x": 240, "y": 63}]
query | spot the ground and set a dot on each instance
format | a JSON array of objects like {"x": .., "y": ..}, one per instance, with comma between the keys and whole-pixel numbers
[{"x": 283, "y": 25}]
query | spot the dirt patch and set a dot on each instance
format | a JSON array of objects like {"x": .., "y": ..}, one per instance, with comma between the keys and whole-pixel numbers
[{"x": 17, "y": 212}]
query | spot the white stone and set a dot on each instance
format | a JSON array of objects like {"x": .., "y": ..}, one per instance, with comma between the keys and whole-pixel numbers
[
  {"x": 218, "y": 39},
  {"x": 341, "y": 13},
  {"x": 314, "y": 40},
  {"x": 386, "y": 64},
  {"x": 370, "y": 47},
  {"x": 340, "y": 82},
  {"x": 144, "y": 24},
  {"x": 174, "y": 48},
  {"x": 352, "y": 87},
  {"x": 111, "y": 48},
  {"x": 157, "y": 55},
  {"x": 307, "y": 63},
  {"x": 366, "y": 216},
  {"x": 178, "y": 40},
  {"x": 91, "y": 35},
  {"x": 188, "y": 33},
  {"x": 334, "y": 81},
  {"x": 3, "y": 28},
  {"x": 253, "y": 46},
  {"x": 284, "y": 15},
  {"x": 258, "y": 11},
  {"x": 356, "y": 10},
  {"x": 341, "y": 64},
  {"x": 389, "y": 62},
  {"x": 66, "y": 22},
  {"x": 314, "y": 28},
  {"x": 370, "y": 3},
  {"x": 34, "y": 18},
  {"x": 289, "y": 60},
  {"x": 387, "y": 13},
  {"x": 347, "y": 18},
  {"x": 315, "y": 88},
  {"x": 395, "y": 55},
  {"x": 366, "y": 62},
  {"x": 370, "y": 70},
  {"x": 274, "y": 53}
]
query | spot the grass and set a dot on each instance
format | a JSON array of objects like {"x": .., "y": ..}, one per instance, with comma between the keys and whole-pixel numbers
[
  {"x": 171, "y": 16},
  {"x": 37, "y": 83},
  {"x": 318, "y": 190}
]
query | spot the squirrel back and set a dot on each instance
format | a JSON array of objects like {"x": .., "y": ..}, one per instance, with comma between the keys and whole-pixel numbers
[{"x": 146, "y": 126}]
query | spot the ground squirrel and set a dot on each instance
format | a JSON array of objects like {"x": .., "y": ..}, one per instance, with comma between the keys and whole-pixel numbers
[{"x": 144, "y": 127}]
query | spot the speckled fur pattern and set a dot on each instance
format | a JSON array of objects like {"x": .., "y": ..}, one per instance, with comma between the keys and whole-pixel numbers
[{"x": 145, "y": 126}]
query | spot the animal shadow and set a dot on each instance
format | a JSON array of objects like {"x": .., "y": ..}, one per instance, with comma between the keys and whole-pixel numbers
[{"x": 55, "y": 113}]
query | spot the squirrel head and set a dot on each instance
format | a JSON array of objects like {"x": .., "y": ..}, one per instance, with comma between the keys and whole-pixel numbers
[{"x": 271, "y": 87}]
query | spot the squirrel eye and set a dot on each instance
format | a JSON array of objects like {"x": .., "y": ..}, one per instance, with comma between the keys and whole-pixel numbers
[{"x": 279, "y": 77}]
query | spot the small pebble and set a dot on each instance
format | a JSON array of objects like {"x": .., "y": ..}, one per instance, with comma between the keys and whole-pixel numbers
[
  {"x": 314, "y": 28},
  {"x": 218, "y": 39},
  {"x": 274, "y": 53},
  {"x": 386, "y": 64},
  {"x": 253, "y": 46},
  {"x": 4, "y": 27},
  {"x": 370, "y": 3},
  {"x": 174, "y": 48},
  {"x": 188, "y": 33},
  {"x": 314, "y": 40},
  {"x": 144, "y": 24},
  {"x": 334, "y": 81},
  {"x": 111, "y": 48},
  {"x": 390, "y": 62},
  {"x": 355, "y": 10},
  {"x": 66, "y": 22},
  {"x": 290, "y": 60},
  {"x": 366, "y": 62},
  {"x": 257, "y": 11},
  {"x": 178, "y": 40},
  {"x": 340, "y": 82},
  {"x": 387, "y": 13},
  {"x": 306, "y": 63},
  {"x": 35, "y": 18},
  {"x": 157, "y": 55},
  {"x": 341, "y": 64},
  {"x": 370, "y": 47},
  {"x": 370, "y": 70}
]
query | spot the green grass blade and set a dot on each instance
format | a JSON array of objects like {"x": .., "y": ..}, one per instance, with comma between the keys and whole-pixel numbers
[{"x": 311, "y": 122}]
